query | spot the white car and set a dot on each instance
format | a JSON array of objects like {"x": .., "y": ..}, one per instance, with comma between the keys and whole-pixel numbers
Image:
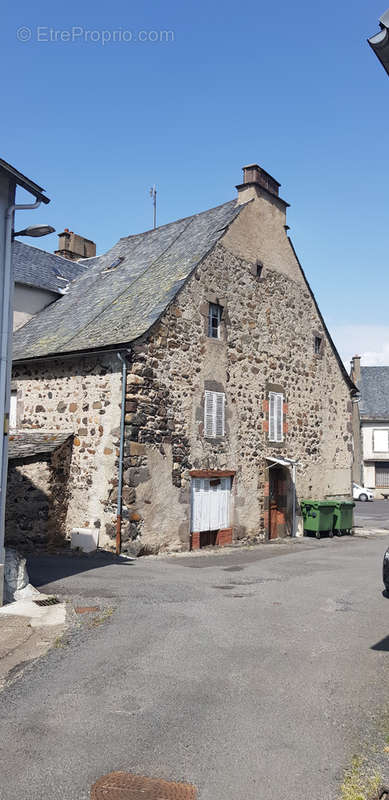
[{"x": 361, "y": 493}]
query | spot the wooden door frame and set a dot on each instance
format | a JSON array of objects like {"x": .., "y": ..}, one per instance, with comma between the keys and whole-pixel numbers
[{"x": 283, "y": 507}]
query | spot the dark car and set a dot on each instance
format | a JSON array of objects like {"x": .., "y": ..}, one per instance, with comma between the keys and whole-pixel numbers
[{"x": 385, "y": 570}]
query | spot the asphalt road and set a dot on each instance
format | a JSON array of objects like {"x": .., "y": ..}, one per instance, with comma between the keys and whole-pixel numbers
[
  {"x": 253, "y": 675},
  {"x": 372, "y": 514}
]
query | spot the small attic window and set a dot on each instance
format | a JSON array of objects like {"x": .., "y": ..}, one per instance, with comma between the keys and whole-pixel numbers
[
  {"x": 59, "y": 276},
  {"x": 318, "y": 342},
  {"x": 114, "y": 264}
]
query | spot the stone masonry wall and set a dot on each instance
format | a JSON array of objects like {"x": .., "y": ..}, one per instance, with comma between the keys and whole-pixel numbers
[
  {"x": 268, "y": 330},
  {"x": 37, "y": 500},
  {"x": 81, "y": 395}
]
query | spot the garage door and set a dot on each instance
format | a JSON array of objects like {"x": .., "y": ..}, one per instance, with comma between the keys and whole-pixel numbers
[
  {"x": 210, "y": 504},
  {"x": 382, "y": 475}
]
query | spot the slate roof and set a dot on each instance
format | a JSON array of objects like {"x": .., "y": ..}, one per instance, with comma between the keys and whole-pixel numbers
[
  {"x": 24, "y": 444},
  {"x": 109, "y": 307},
  {"x": 43, "y": 270},
  {"x": 374, "y": 391}
]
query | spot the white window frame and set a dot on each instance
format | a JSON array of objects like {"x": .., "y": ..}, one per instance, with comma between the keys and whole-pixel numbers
[
  {"x": 13, "y": 410},
  {"x": 276, "y": 417},
  {"x": 379, "y": 448},
  {"x": 214, "y": 312},
  {"x": 214, "y": 414}
]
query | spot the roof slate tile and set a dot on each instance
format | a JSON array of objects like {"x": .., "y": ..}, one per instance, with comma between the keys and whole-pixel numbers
[{"x": 104, "y": 307}]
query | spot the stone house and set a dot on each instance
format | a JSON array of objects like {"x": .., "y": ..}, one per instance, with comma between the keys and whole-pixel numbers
[
  {"x": 373, "y": 421},
  {"x": 196, "y": 375}
]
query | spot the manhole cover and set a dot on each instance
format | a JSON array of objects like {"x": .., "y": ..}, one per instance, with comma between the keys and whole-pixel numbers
[{"x": 125, "y": 786}]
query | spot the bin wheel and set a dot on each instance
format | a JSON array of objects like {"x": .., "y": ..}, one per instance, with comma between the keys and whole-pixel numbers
[
  {"x": 317, "y": 534},
  {"x": 330, "y": 534},
  {"x": 338, "y": 533}
]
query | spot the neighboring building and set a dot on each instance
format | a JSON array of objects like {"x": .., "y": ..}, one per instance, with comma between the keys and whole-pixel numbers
[
  {"x": 40, "y": 279},
  {"x": 237, "y": 403},
  {"x": 380, "y": 42},
  {"x": 373, "y": 384}
]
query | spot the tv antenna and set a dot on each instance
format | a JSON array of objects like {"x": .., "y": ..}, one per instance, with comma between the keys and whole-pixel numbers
[{"x": 153, "y": 194}]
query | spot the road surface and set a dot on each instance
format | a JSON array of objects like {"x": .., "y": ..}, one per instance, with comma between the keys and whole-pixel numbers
[
  {"x": 372, "y": 514},
  {"x": 253, "y": 675}
]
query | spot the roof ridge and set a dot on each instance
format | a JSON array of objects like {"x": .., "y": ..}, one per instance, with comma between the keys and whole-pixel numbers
[{"x": 174, "y": 221}]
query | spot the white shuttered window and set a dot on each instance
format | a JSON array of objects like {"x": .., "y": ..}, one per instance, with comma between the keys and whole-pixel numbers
[
  {"x": 380, "y": 441},
  {"x": 276, "y": 417},
  {"x": 214, "y": 414}
]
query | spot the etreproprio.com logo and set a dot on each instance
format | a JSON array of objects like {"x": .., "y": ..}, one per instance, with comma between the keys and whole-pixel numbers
[{"x": 76, "y": 34}]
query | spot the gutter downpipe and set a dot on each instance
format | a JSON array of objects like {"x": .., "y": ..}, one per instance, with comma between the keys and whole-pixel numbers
[
  {"x": 121, "y": 453},
  {"x": 6, "y": 316}
]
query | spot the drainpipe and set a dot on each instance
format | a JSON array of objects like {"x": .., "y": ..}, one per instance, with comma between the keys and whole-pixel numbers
[
  {"x": 121, "y": 452},
  {"x": 6, "y": 316}
]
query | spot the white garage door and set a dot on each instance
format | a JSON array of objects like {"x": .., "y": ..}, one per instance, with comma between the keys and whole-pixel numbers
[{"x": 210, "y": 504}]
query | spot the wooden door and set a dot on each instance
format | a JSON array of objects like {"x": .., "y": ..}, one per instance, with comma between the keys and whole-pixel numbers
[{"x": 276, "y": 502}]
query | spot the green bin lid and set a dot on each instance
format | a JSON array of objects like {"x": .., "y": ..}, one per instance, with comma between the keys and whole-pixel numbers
[{"x": 317, "y": 503}]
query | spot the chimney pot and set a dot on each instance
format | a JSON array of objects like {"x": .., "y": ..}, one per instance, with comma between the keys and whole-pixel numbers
[
  {"x": 74, "y": 247},
  {"x": 355, "y": 372},
  {"x": 252, "y": 173}
]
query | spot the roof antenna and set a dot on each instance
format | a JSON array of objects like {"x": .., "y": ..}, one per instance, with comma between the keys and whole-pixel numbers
[{"x": 153, "y": 194}]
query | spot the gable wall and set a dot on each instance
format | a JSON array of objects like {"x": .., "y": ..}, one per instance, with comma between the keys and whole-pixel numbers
[
  {"x": 29, "y": 300},
  {"x": 267, "y": 338}
]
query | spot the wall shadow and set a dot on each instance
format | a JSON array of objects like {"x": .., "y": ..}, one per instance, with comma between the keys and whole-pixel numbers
[{"x": 44, "y": 568}]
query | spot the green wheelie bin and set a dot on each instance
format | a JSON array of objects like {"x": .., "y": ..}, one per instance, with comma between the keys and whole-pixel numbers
[
  {"x": 343, "y": 516},
  {"x": 318, "y": 516}
]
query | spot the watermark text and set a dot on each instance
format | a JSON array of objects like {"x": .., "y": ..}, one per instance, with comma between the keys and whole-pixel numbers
[{"x": 78, "y": 34}]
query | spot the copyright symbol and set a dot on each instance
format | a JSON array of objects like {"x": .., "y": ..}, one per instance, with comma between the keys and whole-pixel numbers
[{"x": 24, "y": 34}]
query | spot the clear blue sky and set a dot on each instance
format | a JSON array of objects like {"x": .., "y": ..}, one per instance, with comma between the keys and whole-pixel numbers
[{"x": 291, "y": 86}]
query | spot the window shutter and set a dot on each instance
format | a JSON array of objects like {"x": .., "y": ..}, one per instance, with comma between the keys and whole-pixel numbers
[
  {"x": 209, "y": 411},
  {"x": 276, "y": 416},
  {"x": 380, "y": 441},
  {"x": 219, "y": 427},
  {"x": 272, "y": 417},
  {"x": 214, "y": 414},
  {"x": 13, "y": 410},
  {"x": 279, "y": 412}
]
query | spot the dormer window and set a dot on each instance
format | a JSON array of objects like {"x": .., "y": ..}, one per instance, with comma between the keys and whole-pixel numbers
[{"x": 214, "y": 319}]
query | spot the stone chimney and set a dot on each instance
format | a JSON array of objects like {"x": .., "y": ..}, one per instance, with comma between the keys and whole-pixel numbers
[
  {"x": 74, "y": 247},
  {"x": 355, "y": 372},
  {"x": 255, "y": 179}
]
